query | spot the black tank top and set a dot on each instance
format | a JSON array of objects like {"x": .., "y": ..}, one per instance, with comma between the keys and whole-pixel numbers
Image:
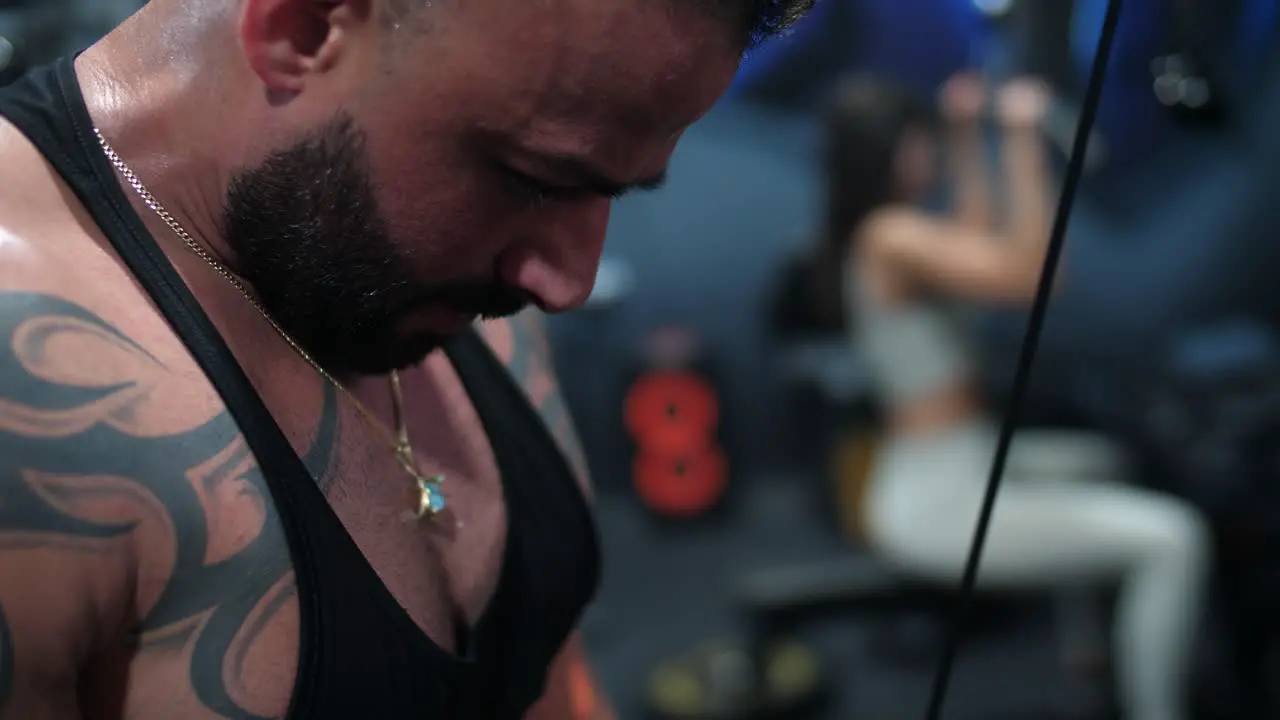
[{"x": 361, "y": 656}]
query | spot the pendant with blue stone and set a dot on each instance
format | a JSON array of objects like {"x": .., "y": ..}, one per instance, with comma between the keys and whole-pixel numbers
[{"x": 431, "y": 499}]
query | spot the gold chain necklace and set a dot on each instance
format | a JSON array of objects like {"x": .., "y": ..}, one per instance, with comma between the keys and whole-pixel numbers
[{"x": 431, "y": 500}]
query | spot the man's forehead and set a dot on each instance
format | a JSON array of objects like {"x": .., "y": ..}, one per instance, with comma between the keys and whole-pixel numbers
[
  {"x": 594, "y": 62},
  {"x": 578, "y": 37},
  {"x": 605, "y": 16}
]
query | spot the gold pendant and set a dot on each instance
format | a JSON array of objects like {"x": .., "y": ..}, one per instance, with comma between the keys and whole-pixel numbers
[{"x": 431, "y": 499}]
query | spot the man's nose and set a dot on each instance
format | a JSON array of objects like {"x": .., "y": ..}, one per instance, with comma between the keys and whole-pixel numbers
[{"x": 558, "y": 264}]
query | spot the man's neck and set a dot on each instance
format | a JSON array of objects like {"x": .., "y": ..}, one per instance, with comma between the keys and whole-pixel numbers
[{"x": 162, "y": 125}]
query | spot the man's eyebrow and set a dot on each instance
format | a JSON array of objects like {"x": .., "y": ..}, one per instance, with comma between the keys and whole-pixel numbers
[{"x": 573, "y": 170}]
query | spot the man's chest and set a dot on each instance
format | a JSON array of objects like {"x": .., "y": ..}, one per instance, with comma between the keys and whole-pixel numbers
[
  {"x": 453, "y": 556},
  {"x": 240, "y": 640}
]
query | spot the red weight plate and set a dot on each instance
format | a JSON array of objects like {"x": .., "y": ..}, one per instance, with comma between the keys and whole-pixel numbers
[
  {"x": 684, "y": 487},
  {"x": 671, "y": 412}
]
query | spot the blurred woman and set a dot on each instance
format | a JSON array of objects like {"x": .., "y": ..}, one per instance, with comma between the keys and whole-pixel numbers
[{"x": 1064, "y": 515}]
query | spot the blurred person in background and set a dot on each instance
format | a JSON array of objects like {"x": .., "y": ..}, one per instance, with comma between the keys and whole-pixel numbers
[{"x": 905, "y": 278}]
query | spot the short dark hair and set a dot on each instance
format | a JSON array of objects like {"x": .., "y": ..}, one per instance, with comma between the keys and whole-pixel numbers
[
  {"x": 757, "y": 20},
  {"x": 762, "y": 19},
  {"x": 865, "y": 119}
]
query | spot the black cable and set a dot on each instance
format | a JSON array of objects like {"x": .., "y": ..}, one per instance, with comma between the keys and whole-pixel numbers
[{"x": 1026, "y": 356}]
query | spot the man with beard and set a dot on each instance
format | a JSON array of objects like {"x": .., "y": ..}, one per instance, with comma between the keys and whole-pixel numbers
[{"x": 237, "y": 480}]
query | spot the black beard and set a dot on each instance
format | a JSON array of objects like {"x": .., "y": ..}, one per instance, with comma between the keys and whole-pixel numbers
[{"x": 305, "y": 232}]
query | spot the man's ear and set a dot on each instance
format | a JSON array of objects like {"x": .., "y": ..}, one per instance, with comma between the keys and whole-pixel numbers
[{"x": 287, "y": 41}]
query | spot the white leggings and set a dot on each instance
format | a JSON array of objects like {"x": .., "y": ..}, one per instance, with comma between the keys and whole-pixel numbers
[{"x": 1063, "y": 515}]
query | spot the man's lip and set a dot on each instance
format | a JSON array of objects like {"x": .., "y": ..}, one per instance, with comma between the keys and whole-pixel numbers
[
  {"x": 456, "y": 319},
  {"x": 442, "y": 319}
]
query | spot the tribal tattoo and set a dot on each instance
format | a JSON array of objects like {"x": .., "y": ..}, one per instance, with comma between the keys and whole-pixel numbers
[
  {"x": 531, "y": 363},
  {"x": 80, "y": 441},
  {"x": 96, "y": 454}
]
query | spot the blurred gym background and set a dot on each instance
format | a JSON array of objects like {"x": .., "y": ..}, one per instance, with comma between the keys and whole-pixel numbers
[{"x": 1163, "y": 338}]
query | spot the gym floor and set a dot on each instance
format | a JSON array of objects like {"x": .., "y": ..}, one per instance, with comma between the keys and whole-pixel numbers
[{"x": 666, "y": 588}]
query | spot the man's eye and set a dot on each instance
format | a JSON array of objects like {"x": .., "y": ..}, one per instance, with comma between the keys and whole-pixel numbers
[
  {"x": 536, "y": 192},
  {"x": 529, "y": 189}
]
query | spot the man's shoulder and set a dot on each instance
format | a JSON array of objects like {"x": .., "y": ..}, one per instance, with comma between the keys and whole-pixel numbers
[
  {"x": 31, "y": 185},
  {"x": 68, "y": 344},
  {"x": 73, "y": 322},
  {"x": 113, "y": 451},
  {"x": 522, "y": 345},
  {"x": 51, "y": 251},
  {"x": 102, "y": 409}
]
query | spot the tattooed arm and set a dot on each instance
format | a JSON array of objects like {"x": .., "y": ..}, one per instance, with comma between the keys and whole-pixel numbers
[
  {"x": 46, "y": 627},
  {"x": 65, "y": 549},
  {"x": 521, "y": 341},
  {"x": 50, "y": 615},
  {"x": 135, "y": 527}
]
